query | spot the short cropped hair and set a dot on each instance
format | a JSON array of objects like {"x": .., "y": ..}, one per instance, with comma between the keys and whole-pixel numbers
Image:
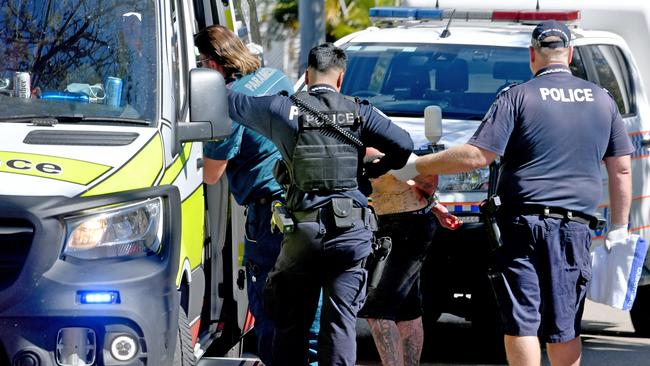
[
  {"x": 327, "y": 56},
  {"x": 552, "y": 54}
]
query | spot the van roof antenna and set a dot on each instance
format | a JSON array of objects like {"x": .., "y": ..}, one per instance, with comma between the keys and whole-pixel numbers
[
  {"x": 537, "y": 7},
  {"x": 446, "y": 33},
  {"x": 437, "y": 4}
]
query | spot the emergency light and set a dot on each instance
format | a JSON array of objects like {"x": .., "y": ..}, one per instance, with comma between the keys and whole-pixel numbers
[
  {"x": 397, "y": 14},
  {"x": 99, "y": 297}
]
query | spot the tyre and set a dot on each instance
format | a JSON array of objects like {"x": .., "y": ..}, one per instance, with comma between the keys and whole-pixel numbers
[
  {"x": 640, "y": 312},
  {"x": 183, "y": 353}
]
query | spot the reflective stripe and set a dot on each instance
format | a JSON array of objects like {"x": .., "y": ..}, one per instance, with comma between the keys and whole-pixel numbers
[
  {"x": 179, "y": 163},
  {"x": 192, "y": 220},
  {"x": 51, "y": 167},
  {"x": 139, "y": 172},
  {"x": 462, "y": 207},
  {"x": 640, "y": 151}
]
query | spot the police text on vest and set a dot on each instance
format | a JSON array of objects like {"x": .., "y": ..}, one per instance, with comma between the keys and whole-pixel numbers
[{"x": 567, "y": 95}]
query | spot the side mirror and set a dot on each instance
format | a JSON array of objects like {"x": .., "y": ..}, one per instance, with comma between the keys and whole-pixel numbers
[
  {"x": 209, "y": 118},
  {"x": 433, "y": 123}
]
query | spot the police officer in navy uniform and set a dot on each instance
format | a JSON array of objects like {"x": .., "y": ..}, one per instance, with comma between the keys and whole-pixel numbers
[
  {"x": 552, "y": 134},
  {"x": 332, "y": 234}
]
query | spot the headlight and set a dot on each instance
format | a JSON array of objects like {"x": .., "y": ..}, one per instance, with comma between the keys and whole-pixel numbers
[
  {"x": 476, "y": 180},
  {"x": 125, "y": 230}
]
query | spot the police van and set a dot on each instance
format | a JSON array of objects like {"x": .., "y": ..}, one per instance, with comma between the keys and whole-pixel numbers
[
  {"x": 112, "y": 251},
  {"x": 459, "y": 60}
]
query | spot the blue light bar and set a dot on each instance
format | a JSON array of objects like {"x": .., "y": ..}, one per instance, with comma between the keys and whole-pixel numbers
[
  {"x": 406, "y": 13},
  {"x": 429, "y": 14},
  {"x": 99, "y": 297},
  {"x": 392, "y": 12}
]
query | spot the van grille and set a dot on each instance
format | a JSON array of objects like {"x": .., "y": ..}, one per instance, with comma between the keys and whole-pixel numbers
[{"x": 15, "y": 241}]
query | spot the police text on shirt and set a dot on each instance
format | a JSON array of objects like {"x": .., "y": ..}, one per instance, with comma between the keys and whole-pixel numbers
[{"x": 567, "y": 95}]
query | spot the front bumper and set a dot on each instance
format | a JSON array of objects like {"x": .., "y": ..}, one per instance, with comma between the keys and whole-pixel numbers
[{"x": 42, "y": 305}]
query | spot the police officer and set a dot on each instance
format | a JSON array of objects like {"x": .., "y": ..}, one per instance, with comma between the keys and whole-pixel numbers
[
  {"x": 248, "y": 159},
  {"x": 552, "y": 133},
  {"x": 332, "y": 234}
]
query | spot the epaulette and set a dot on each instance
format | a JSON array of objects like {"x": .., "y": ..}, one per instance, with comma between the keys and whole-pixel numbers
[{"x": 506, "y": 88}]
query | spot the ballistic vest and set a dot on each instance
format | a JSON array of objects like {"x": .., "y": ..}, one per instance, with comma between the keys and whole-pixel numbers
[{"x": 324, "y": 160}]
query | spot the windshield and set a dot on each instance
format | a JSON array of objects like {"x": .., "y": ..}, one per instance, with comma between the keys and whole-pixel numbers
[
  {"x": 402, "y": 80},
  {"x": 92, "y": 59}
]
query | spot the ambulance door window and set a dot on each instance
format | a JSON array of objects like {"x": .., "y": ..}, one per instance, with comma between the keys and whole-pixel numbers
[
  {"x": 611, "y": 71},
  {"x": 179, "y": 59}
]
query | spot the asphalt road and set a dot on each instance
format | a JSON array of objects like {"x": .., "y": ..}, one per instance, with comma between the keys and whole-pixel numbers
[{"x": 608, "y": 339}]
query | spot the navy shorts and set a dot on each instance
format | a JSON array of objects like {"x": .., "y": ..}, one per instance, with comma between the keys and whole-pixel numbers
[
  {"x": 545, "y": 265},
  {"x": 398, "y": 296}
]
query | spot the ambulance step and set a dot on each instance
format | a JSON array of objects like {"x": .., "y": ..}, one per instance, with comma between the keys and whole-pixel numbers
[{"x": 223, "y": 361}]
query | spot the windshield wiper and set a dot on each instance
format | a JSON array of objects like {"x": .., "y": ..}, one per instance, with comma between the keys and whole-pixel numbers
[{"x": 41, "y": 120}]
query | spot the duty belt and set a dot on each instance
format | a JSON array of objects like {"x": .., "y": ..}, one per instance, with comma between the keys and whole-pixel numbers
[
  {"x": 324, "y": 214},
  {"x": 313, "y": 215},
  {"x": 266, "y": 199},
  {"x": 555, "y": 212}
]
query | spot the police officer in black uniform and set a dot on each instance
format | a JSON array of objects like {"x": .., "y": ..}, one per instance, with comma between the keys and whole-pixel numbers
[
  {"x": 322, "y": 135},
  {"x": 552, "y": 134}
]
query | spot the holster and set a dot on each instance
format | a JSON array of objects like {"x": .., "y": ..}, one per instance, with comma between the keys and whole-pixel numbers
[
  {"x": 489, "y": 209},
  {"x": 376, "y": 261}
]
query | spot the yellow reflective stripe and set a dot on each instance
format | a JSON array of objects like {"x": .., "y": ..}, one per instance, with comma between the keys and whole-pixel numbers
[
  {"x": 52, "y": 167},
  {"x": 172, "y": 172},
  {"x": 228, "y": 15},
  {"x": 192, "y": 217},
  {"x": 139, "y": 172}
]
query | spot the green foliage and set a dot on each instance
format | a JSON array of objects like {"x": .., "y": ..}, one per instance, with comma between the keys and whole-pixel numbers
[
  {"x": 285, "y": 12},
  {"x": 337, "y": 24}
]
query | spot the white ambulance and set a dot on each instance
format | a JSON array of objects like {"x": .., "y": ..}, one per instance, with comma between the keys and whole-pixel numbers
[
  {"x": 112, "y": 251},
  {"x": 458, "y": 60}
]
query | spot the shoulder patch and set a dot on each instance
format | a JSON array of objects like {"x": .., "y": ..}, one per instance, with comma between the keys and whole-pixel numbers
[{"x": 506, "y": 88}]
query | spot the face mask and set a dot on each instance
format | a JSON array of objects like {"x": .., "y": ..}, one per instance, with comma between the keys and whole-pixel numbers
[{"x": 94, "y": 92}]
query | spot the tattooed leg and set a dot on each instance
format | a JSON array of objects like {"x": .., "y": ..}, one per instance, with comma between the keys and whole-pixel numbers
[
  {"x": 388, "y": 342},
  {"x": 412, "y": 334}
]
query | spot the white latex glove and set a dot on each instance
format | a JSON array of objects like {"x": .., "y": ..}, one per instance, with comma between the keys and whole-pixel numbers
[
  {"x": 407, "y": 172},
  {"x": 616, "y": 233}
]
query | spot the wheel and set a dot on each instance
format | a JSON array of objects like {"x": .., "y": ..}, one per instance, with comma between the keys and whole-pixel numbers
[
  {"x": 183, "y": 353},
  {"x": 640, "y": 312}
]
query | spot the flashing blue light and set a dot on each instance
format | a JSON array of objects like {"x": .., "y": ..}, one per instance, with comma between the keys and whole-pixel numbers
[{"x": 99, "y": 297}]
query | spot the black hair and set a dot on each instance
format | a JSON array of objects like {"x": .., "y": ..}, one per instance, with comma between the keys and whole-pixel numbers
[{"x": 327, "y": 56}]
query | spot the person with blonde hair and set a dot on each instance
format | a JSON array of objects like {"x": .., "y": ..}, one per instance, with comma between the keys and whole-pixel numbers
[
  {"x": 248, "y": 159},
  {"x": 223, "y": 51}
]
